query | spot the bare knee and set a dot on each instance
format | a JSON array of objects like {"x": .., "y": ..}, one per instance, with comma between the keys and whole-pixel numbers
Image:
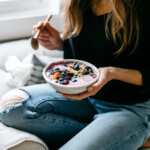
[{"x": 12, "y": 98}]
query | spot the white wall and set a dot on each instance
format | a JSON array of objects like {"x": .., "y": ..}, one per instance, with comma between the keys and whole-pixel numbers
[
  {"x": 16, "y": 28},
  {"x": 18, "y": 24}
]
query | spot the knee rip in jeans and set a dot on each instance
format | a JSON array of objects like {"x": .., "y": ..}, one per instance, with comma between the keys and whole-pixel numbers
[{"x": 13, "y": 98}]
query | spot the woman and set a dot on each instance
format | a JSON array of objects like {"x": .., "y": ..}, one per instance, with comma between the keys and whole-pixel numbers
[{"x": 114, "y": 112}]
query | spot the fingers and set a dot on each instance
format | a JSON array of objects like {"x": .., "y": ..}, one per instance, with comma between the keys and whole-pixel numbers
[
  {"x": 80, "y": 96},
  {"x": 92, "y": 90},
  {"x": 44, "y": 42},
  {"x": 97, "y": 86},
  {"x": 50, "y": 29},
  {"x": 38, "y": 27},
  {"x": 43, "y": 37},
  {"x": 43, "y": 33}
]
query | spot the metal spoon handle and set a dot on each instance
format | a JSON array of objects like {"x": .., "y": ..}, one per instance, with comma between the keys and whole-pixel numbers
[{"x": 48, "y": 18}]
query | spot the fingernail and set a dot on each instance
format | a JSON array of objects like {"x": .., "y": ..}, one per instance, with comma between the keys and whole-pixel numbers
[{"x": 90, "y": 89}]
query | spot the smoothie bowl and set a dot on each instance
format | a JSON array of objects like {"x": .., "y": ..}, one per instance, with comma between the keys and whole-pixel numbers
[{"x": 70, "y": 76}]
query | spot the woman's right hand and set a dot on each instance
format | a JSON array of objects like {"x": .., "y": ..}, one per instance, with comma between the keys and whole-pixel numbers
[{"x": 49, "y": 37}]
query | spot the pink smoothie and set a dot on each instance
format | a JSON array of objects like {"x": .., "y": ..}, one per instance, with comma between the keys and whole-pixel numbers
[{"x": 70, "y": 73}]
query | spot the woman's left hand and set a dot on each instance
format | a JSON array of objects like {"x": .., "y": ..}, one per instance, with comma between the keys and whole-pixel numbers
[{"x": 106, "y": 74}]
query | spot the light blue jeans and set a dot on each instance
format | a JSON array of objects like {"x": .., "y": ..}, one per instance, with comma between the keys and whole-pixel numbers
[{"x": 89, "y": 124}]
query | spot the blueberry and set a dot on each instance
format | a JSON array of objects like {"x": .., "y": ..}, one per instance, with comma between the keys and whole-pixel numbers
[
  {"x": 74, "y": 80},
  {"x": 61, "y": 79},
  {"x": 76, "y": 67},
  {"x": 57, "y": 69},
  {"x": 62, "y": 82},
  {"x": 74, "y": 63},
  {"x": 52, "y": 72},
  {"x": 74, "y": 76},
  {"x": 56, "y": 81},
  {"x": 85, "y": 73},
  {"x": 62, "y": 74}
]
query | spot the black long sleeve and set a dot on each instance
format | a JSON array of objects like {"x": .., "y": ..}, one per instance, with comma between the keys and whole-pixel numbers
[
  {"x": 145, "y": 65},
  {"x": 92, "y": 45}
]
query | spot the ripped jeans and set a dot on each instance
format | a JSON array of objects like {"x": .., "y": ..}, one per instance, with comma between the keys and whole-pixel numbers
[{"x": 89, "y": 124}]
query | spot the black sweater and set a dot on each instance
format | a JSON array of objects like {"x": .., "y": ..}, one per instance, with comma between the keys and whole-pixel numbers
[{"x": 92, "y": 45}]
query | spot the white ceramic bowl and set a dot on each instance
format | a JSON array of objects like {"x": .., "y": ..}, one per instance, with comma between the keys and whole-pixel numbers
[{"x": 71, "y": 89}]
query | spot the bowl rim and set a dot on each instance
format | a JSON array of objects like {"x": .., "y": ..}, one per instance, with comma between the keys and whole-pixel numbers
[{"x": 74, "y": 86}]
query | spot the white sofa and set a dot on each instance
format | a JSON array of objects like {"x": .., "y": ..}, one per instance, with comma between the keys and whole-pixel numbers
[{"x": 12, "y": 139}]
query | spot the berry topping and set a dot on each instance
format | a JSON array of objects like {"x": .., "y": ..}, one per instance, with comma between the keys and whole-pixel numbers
[
  {"x": 67, "y": 77},
  {"x": 74, "y": 80},
  {"x": 85, "y": 73},
  {"x": 61, "y": 79},
  {"x": 56, "y": 75},
  {"x": 76, "y": 67},
  {"x": 66, "y": 82},
  {"x": 72, "y": 71}
]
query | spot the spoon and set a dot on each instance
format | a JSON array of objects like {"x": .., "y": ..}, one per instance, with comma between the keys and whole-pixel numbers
[{"x": 34, "y": 41}]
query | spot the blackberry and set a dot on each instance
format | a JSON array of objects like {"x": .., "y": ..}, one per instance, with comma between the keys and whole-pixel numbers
[
  {"x": 70, "y": 74},
  {"x": 66, "y": 82},
  {"x": 67, "y": 77},
  {"x": 89, "y": 69}
]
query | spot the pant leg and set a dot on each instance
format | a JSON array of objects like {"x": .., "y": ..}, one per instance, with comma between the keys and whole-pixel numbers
[
  {"x": 114, "y": 129},
  {"x": 47, "y": 114}
]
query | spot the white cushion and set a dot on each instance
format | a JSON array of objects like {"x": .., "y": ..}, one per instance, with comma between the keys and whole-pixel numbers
[
  {"x": 12, "y": 139},
  {"x": 21, "y": 48},
  {"x": 3, "y": 86}
]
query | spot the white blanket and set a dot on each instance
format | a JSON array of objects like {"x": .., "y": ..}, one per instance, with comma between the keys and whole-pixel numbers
[
  {"x": 12, "y": 139},
  {"x": 17, "y": 71}
]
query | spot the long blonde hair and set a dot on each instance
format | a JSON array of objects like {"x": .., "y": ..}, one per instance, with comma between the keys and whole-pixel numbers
[{"x": 123, "y": 18}]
